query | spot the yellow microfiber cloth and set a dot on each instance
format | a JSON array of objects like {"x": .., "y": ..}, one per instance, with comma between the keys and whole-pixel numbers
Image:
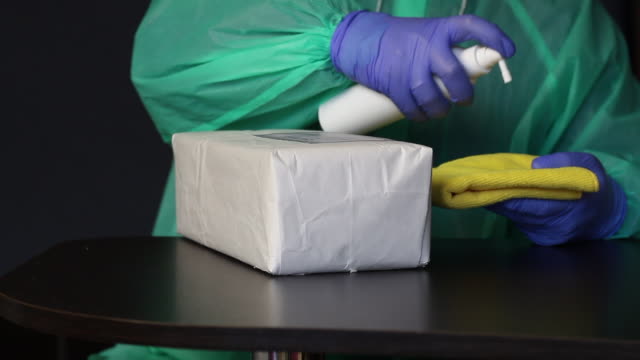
[{"x": 482, "y": 180}]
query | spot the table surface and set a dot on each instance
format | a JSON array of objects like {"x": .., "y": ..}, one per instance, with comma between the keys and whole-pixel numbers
[{"x": 477, "y": 298}]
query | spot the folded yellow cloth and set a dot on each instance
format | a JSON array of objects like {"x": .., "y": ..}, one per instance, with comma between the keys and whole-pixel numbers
[{"x": 482, "y": 180}]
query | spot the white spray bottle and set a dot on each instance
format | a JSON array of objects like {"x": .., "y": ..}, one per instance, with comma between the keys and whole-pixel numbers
[{"x": 359, "y": 110}]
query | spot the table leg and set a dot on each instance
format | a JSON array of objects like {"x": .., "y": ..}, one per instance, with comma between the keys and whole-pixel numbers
[
  {"x": 286, "y": 355},
  {"x": 61, "y": 347}
]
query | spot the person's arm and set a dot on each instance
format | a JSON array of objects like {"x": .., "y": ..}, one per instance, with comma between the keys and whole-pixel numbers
[
  {"x": 207, "y": 65},
  {"x": 248, "y": 64},
  {"x": 607, "y": 123},
  {"x": 590, "y": 110}
]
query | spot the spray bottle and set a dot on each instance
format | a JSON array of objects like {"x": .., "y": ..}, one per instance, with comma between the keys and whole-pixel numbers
[{"x": 359, "y": 110}]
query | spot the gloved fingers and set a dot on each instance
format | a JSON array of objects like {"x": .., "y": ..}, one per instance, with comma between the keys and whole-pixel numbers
[
  {"x": 564, "y": 159},
  {"x": 408, "y": 107},
  {"x": 431, "y": 101},
  {"x": 545, "y": 236},
  {"x": 446, "y": 66},
  {"x": 536, "y": 211},
  {"x": 424, "y": 89},
  {"x": 470, "y": 27},
  {"x": 545, "y": 222}
]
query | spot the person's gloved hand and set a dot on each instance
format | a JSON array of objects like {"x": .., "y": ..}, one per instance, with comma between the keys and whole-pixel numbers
[
  {"x": 596, "y": 215},
  {"x": 398, "y": 56}
]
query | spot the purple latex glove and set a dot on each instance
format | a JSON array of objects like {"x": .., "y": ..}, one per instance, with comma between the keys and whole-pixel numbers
[
  {"x": 398, "y": 56},
  {"x": 596, "y": 215}
]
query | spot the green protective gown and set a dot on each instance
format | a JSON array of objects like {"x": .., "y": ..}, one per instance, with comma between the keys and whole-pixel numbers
[{"x": 249, "y": 64}]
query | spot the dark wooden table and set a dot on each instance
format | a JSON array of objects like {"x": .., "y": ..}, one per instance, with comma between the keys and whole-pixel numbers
[{"x": 477, "y": 299}]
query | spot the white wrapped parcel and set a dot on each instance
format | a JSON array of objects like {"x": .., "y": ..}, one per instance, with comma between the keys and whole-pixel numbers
[{"x": 296, "y": 202}]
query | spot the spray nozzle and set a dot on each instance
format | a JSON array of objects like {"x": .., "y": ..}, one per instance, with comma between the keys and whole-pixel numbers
[
  {"x": 504, "y": 70},
  {"x": 487, "y": 58}
]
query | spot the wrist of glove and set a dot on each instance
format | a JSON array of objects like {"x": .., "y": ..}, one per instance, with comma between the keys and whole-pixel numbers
[
  {"x": 597, "y": 215},
  {"x": 399, "y": 56}
]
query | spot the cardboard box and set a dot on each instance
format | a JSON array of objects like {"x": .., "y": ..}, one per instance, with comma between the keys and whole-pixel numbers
[{"x": 296, "y": 202}]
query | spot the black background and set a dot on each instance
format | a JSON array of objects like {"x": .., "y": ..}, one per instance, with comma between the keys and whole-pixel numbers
[{"x": 80, "y": 156}]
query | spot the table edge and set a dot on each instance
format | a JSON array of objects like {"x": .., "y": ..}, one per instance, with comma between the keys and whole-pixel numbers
[{"x": 352, "y": 341}]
